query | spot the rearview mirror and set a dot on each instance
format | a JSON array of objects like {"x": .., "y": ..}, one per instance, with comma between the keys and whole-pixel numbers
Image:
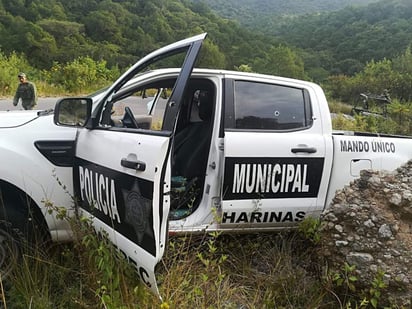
[{"x": 73, "y": 112}]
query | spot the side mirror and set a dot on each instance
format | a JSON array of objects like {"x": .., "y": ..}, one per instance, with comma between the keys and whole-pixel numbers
[{"x": 73, "y": 112}]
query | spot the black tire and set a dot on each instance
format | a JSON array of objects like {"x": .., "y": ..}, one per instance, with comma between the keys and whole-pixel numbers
[{"x": 11, "y": 244}]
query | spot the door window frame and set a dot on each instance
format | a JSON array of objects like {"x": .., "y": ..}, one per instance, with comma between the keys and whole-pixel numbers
[{"x": 230, "y": 105}]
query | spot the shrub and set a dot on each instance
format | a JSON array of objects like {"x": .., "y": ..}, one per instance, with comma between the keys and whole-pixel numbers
[
  {"x": 10, "y": 66},
  {"x": 82, "y": 75}
]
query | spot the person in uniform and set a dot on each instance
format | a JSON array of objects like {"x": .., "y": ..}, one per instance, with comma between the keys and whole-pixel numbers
[{"x": 26, "y": 91}]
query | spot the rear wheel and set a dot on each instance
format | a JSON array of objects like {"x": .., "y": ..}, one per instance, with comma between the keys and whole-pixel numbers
[{"x": 11, "y": 241}]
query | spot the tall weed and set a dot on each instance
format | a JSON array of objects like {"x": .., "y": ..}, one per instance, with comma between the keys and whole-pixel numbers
[{"x": 263, "y": 270}]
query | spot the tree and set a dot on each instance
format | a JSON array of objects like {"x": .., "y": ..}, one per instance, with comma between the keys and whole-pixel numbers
[
  {"x": 102, "y": 26},
  {"x": 60, "y": 29},
  {"x": 211, "y": 56},
  {"x": 9, "y": 68},
  {"x": 283, "y": 61},
  {"x": 402, "y": 84},
  {"x": 244, "y": 68}
]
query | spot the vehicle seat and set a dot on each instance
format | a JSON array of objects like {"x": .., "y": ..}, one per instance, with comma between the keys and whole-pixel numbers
[
  {"x": 192, "y": 143},
  {"x": 191, "y": 152}
]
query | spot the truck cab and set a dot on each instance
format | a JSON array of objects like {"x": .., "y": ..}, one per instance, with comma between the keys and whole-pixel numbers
[{"x": 194, "y": 150}]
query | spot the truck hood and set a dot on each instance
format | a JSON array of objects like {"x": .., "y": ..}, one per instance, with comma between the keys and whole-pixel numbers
[{"x": 9, "y": 119}]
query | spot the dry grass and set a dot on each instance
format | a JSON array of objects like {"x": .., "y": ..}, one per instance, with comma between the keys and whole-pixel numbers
[
  {"x": 339, "y": 107},
  {"x": 210, "y": 271}
]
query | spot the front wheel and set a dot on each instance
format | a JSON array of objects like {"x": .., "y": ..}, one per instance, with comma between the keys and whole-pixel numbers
[{"x": 11, "y": 242}]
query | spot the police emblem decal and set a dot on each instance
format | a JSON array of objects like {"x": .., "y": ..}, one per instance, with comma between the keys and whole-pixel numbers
[{"x": 138, "y": 212}]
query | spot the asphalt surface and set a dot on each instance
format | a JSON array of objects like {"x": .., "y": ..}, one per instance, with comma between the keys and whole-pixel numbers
[{"x": 42, "y": 103}]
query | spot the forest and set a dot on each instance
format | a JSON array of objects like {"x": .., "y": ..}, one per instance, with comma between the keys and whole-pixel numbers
[
  {"x": 53, "y": 38},
  {"x": 265, "y": 14},
  {"x": 120, "y": 32},
  {"x": 79, "y": 45},
  {"x": 331, "y": 36},
  {"x": 345, "y": 40}
]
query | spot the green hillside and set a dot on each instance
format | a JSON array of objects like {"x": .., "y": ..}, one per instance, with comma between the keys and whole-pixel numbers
[
  {"x": 334, "y": 36},
  {"x": 310, "y": 46},
  {"x": 343, "y": 41},
  {"x": 120, "y": 32},
  {"x": 258, "y": 13}
]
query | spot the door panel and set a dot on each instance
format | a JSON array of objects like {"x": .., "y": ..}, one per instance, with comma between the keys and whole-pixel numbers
[
  {"x": 277, "y": 159},
  {"x": 123, "y": 199},
  {"x": 122, "y": 173},
  {"x": 266, "y": 184}
]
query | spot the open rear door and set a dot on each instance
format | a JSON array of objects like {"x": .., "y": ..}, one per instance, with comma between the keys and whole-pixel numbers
[{"x": 122, "y": 175}]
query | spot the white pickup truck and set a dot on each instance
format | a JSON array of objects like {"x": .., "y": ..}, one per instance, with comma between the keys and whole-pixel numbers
[{"x": 179, "y": 150}]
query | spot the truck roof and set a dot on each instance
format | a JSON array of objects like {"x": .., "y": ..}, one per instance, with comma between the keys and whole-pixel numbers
[{"x": 225, "y": 73}]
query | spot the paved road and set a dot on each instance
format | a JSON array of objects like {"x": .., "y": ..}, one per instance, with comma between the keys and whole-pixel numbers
[
  {"x": 137, "y": 104},
  {"x": 43, "y": 103}
]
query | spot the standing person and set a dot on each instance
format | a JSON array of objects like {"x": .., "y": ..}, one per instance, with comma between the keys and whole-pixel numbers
[{"x": 26, "y": 91}]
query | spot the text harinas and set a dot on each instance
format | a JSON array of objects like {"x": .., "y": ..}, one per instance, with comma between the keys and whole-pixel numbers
[
  {"x": 99, "y": 191},
  {"x": 270, "y": 178}
]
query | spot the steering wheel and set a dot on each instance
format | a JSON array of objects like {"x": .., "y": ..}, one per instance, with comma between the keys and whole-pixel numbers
[{"x": 128, "y": 119}]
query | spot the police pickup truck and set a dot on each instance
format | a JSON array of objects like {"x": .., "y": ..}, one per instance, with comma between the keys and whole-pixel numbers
[{"x": 179, "y": 150}]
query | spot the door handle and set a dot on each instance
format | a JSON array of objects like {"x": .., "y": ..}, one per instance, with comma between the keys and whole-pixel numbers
[
  {"x": 133, "y": 164},
  {"x": 304, "y": 149}
]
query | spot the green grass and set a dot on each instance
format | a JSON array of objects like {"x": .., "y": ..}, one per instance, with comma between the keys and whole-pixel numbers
[
  {"x": 273, "y": 270},
  {"x": 338, "y": 107}
]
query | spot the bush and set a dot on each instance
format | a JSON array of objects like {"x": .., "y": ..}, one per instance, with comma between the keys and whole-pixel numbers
[
  {"x": 10, "y": 66},
  {"x": 338, "y": 107},
  {"x": 82, "y": 75}
]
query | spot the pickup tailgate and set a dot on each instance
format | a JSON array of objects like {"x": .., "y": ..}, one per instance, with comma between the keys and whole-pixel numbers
[{"x": 354, "y": 152}]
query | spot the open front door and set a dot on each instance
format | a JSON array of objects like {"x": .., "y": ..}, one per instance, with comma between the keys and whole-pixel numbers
[{"x": 122, "y": 172}]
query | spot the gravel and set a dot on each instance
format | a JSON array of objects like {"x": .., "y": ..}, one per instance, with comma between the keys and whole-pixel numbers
[{"x": 368, "y": 224}]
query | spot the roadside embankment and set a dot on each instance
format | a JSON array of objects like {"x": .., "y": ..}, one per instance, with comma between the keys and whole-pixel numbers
[{"x": 369, "y": 225}]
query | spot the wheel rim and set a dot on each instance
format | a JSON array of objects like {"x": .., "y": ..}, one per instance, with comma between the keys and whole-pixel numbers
[{"x": 9, "y": 253}]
